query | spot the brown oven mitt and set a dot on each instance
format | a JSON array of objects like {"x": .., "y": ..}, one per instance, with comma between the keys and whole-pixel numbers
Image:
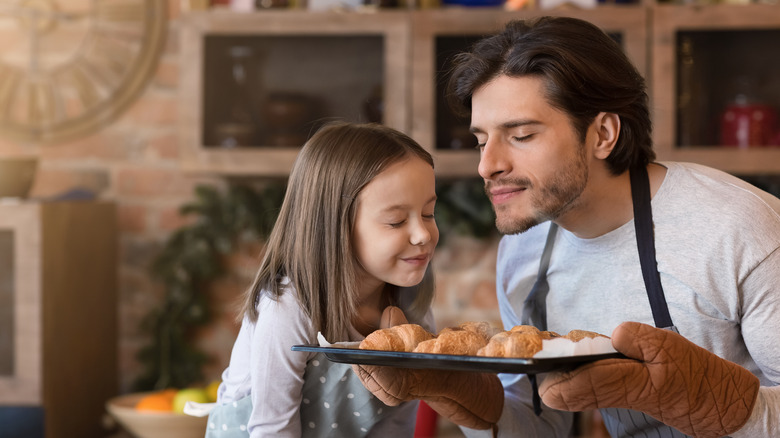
[
  {"x": 671, "y": 379},
  {"x": 468, "y": 399}
]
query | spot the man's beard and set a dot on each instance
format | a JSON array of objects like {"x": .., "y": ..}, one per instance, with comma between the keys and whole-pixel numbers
[{"x": 549, "y": 200}]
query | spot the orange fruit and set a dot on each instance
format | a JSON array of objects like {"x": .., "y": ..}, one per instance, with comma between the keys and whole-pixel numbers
[{"x": 157, "y": 401}]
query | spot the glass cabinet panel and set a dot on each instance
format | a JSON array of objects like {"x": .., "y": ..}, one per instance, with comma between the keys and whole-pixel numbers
[
  {"x": 452, "y": 131},
  {"x": 254, "y": 86},
  {"x": 727, "y": 91},
  {"x": 715, "y": 97},
  {"x": 276, "y": 90}
]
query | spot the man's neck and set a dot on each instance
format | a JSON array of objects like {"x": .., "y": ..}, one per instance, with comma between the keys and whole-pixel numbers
[{"x": 606, "y": 204}]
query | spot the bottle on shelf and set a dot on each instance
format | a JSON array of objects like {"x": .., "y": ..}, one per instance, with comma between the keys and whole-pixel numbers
[
  {"x": 238, "y": 125},
  {"x": 747, "y": 121}
]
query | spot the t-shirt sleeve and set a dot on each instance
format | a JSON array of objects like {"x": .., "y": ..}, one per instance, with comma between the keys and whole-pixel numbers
[
  {"x": 760, "y": 321},
  {"x": 277, "y": 372}
]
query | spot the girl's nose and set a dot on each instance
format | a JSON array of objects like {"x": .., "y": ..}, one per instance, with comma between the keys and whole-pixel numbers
[{"x": 420, "y": 234}]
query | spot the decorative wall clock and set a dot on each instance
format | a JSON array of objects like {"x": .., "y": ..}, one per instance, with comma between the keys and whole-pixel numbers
[{"x": 69, "y": 67}]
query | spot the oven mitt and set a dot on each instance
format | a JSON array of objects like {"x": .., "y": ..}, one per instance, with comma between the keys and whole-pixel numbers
[
  {"x": 468, "y": 399},
  {"x": 673, "y": 380}
]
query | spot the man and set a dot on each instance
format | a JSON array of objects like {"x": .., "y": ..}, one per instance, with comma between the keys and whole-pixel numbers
[{"x": 630, "y": 247}]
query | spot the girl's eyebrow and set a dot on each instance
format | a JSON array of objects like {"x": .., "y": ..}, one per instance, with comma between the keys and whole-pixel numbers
[{"x": 406, "y": 206}]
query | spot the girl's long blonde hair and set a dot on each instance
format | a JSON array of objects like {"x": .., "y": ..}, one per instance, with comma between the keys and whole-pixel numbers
[{"x": 311, "y": 243}]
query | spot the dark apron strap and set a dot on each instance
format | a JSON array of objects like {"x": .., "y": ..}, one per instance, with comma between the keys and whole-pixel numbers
[
  {"x": 645, "y": 241},
  {"x": 535, "y": 305}
]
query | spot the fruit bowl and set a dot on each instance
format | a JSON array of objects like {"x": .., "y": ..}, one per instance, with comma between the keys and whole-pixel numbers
[{"x": 154, "y": 424}]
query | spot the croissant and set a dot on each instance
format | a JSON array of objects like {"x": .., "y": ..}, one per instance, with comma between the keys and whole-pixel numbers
[
  {"x": 453, "y": 341},
  {"x": 526, "y": 341},
  {"x": 578, "y": 335},
  {"x": 512, "y": 344},
  {"x": 531, "y": 329},
  {"x": 484, "y": 329},
  {"x": 404, "y": 337}
]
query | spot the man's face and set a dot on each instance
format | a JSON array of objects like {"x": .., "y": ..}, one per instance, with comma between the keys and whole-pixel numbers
[{"x": 531, "y": 158}]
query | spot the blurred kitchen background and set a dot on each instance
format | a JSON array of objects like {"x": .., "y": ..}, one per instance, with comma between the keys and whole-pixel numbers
[{"x": 144, "y": 146}]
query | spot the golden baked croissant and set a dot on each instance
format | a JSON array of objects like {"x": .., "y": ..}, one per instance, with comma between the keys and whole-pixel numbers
[
  {"x": 404, "y": 337},
  {"x": 465, "y": 339},
  {"x": 453, "y": 341},
  {"x": 578, "y": 335},
  {"x": 531, "y": 329},
  {"x": 482, "y": 328},
  {"x": 526, "y": 341},
  {"x": 512, "y": 344}
]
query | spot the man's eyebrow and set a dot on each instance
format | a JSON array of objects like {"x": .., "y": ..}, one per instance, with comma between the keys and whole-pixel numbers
[{"x": 508, "y": 125}]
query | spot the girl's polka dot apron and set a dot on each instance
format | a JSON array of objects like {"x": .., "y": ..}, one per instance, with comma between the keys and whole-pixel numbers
[{"x": 335, "y": 404}]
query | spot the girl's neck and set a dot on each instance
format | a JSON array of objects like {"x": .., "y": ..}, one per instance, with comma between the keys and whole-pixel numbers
[{"x": 369, "y": 310}]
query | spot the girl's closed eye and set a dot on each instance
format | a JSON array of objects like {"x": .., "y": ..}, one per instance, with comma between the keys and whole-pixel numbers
[{"x": 397, "y": 224}]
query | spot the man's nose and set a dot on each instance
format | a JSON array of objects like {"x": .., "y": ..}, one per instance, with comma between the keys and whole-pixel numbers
[{"x": 491, "y": 160}]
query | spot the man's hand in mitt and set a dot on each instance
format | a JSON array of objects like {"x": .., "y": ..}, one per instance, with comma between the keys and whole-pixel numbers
[
  {"x": 472, "y": 400},
  {"x": 672, "y": 379}
]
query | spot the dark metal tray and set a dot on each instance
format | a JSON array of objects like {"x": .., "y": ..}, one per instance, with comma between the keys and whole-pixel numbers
[{"x": 455, "y": 362}]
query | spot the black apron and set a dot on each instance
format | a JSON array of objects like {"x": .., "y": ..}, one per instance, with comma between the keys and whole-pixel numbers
[{"x": 535, "y": 309}]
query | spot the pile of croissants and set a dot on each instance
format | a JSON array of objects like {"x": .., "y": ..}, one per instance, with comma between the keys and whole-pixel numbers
[{"x": 469, "y": 338}]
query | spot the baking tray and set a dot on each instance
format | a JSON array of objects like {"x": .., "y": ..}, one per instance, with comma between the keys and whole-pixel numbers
[{"x": 455, "y": 362}]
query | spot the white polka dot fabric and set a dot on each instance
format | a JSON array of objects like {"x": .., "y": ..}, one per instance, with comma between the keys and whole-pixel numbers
[
  {"x": 229, "y": 420},
  {"x": 334, "y": 404},
  {"x": 345, "y": 407}
]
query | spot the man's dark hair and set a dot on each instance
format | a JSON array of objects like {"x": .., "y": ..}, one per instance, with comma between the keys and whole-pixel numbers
[{"x": 585, "y": 72}]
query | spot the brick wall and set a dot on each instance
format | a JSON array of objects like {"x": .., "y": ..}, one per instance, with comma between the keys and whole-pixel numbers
[{"x": 134, "y": 162}]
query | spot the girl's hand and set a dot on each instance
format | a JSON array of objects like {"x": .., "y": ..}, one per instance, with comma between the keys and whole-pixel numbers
[{"x": 391, "y": 317}]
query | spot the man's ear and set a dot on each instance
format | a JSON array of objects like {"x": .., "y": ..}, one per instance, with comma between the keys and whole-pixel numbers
[{"x": 607, "y": 127}]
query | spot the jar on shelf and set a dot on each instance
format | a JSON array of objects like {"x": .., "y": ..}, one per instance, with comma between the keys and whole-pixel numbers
[
  {"x": 238, "y": 124},
  {"x": 747, "y": 121},
  {"x": 288, "y": 116}
]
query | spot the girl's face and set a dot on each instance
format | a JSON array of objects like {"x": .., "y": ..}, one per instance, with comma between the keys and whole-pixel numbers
[{"x": 395, "y": 234}]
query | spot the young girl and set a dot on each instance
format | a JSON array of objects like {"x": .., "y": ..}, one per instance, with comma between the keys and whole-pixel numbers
[{"x": 355, "y": 234}]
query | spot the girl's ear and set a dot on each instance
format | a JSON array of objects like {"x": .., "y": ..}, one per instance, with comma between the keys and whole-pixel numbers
[{"x": 607, "y": 126}]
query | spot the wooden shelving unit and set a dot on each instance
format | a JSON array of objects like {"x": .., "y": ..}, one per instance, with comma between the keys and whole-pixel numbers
[
  {"x": 410, "y": 83},
  {"x": 391, "y": 28}
]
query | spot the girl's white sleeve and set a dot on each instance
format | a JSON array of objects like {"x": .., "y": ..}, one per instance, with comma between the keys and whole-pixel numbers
[{"x": 276, "y": 371}]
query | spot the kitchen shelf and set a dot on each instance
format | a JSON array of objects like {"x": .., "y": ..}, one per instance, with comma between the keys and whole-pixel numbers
[
  {"x": 702, "y": 57},
  {"x": 350, "y": 66},
  {"x": 415, "y": 45}
]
